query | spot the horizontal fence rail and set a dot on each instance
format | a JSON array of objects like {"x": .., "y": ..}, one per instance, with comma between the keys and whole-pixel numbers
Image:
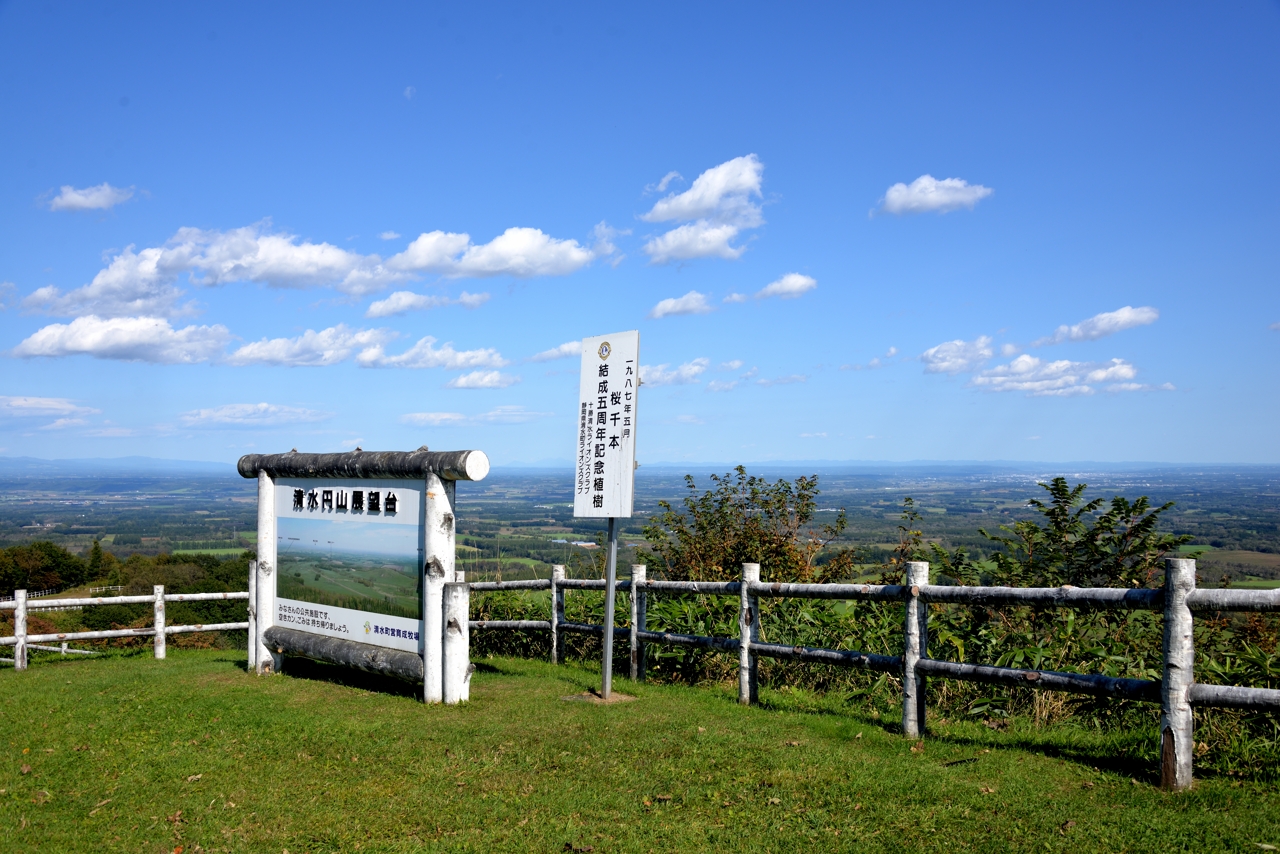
[
  {"x": 1178, "y": 599},
  {"x": 22, "y": 641}
]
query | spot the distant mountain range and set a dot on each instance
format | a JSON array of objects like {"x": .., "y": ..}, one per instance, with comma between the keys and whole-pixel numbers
[{"x": 35, "y": 467}]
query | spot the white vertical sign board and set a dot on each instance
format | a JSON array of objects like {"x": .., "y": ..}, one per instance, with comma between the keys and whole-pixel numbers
[{"x": 606, "y": 454}]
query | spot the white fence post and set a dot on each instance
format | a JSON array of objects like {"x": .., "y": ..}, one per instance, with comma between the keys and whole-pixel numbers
[
  {"x": 268, "y": 661},
  {"x": 1177, "y": 732},
  {"x": 20, "y": 630},
  {"x": 557, "y": 612},
  {"x": 158, "y": 590},
  {"x": 438, "y": 568},
  {"x": 748, "y": 633},
  {"x": 915, "y": 647},
  {"x": 638, "y": 619},
  {"x": 457, "y": 642},
  {"x": 253, "y": 616}
]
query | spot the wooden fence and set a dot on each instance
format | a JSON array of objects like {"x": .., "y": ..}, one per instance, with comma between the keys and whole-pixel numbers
[
  {"x": 22, "y": 641},
  {"x": 1178, "y": 600}
]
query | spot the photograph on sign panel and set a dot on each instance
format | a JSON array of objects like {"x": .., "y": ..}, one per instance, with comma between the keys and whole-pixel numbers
[{"x": 350, "y": 563}]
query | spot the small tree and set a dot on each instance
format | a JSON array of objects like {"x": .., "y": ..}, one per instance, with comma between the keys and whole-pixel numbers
[{"x": 746, "y": 519}]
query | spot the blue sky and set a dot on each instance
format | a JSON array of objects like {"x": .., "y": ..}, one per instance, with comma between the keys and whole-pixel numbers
[{"x": 996, "y": 232}]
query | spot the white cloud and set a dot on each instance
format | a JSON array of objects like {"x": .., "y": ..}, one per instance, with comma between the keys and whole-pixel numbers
[
  {"x": 891, "y": 352},
  {"x": 689, "y": 419},
  {"x": 7, "y": 292},
  {"x": 927, "y": 194},
  {"x": 731, "y": 366},
  {"x": 403, "y": 301},
  {"x": 64, "y": 423},
  {"x": 721, "y": 190},
  {"x": 736, "y": 298},
  {"x": 1007, "y": 350},
  {"x": 686, "y": 374},
  {"x": 252, "y": 415},
  {"x": 722, "y": 385},
  {"x": 497, "y": 415},
  {"x": 409, "y": 92},
  {"x": 142, "y": 339},
  {"x": 787, "y": 380},
  {"x": 433, "y": 419},
  {"x": 715, "y": 209},
  {"x": 1275, "y": 327},
  {"x": 789, "y": 286},
  {"x": 425, "y": 354},
  {"x": 389, "y": 235},
  {"x": 661, "y": 186},
  {"x": 691, "y": 303},
  {"x": 953, "y": 357},
  {"x": 567, "y": 350},
  {"x": 1062, "y": 378},
  {"x": 41, "y": 407},
  {"x": 311, "y": 348},
  {"x": 701, "y": 239},
  {"x": 483, "y": 379},
  {"x": 813, "y": 435},
  {"x": 101, "y": 197},
  {"x": 519, "y": 252},
  {"x": 133, "y": 284},
  {"x": 1102, "y": 325}
]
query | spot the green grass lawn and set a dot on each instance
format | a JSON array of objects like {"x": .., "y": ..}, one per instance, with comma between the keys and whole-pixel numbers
[{"x": 130, "y": 754}]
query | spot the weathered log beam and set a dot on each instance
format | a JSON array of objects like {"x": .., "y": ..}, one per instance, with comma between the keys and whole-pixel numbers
[
  {"x": 1231, "y": 696},
  {"x": 41, "y": 604},
  {"x": 845, "y": 658},
  {"x": 870, "y": 592},
  {"x": 591, "y": 584},
  {"x": 1045, "y": 680},
  {"x": 1225, "y": 599},
  {"x": 448, "y": 465},
  {"x": 492, "y": 586},
  {"x": 1059, "y": 597},
  {"x": 588, "y": 629},
  {"x": 722, "y": 644},
  {"x": 211, "y": 627},
  {"x": 702, "y": 588},
  {"x": 362, "y": 656},
  {"x": 523, "y": 625}
]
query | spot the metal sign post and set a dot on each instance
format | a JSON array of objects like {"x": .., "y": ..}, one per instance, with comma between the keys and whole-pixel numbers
[{"x": 604, "y": 486}]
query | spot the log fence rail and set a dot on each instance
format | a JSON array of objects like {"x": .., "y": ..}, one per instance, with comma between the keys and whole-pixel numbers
[{"x": 1178, "y": 600}]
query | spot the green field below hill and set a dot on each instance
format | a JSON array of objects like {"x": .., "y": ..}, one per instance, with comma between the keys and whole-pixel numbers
[{"x": 131, "y": 754}]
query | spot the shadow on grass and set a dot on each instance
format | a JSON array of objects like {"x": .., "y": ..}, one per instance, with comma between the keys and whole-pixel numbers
[{"x": 348, "y": 677}]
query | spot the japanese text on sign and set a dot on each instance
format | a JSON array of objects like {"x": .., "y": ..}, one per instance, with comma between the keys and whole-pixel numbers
[{"x": 604, "y": 482}]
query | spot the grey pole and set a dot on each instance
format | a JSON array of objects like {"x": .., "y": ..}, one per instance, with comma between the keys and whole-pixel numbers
[
  {"x": 748, "y": 633},
  {"x": 1177, "y": 735},
  {"x": 611, "y": 582},
  {"x": 637, "y": 621}
]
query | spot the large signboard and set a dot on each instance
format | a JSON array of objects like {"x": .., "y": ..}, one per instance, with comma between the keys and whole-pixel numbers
[
  {"x": 606, "y": 452},
  {"x": 350, "y": 554}
]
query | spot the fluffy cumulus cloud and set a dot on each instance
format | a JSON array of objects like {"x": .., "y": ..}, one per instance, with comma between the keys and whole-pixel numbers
[
  {"x": 138, "y": 339},
  {"x": 483, "y": 379},
  {"x": 691, "y": 303},
  {"x": 1104, "y": 324},
  {"x": 41, "y": 407},
  {"x": 686, "y": 374},
  {"x": 405, "y": 301},
  {"x": 715, "y": 209},
  {"x": 789, "y": 286},
  {"x": 927, "y": 194},
  {"x": 97, "y": 198},
  {"x": 425, "y": 354},
  {"x": 251, "y": 415},
  {"x": 519, "y": 252},
  {"x": 311, "y": 348},
  {"x": 567, "y": 350},
  {"x": 953, "y": 357},
  {"x": 1062, "y": 378},
  {"x": 497, "y": 415},
  {"x": 145, "y": 282}
]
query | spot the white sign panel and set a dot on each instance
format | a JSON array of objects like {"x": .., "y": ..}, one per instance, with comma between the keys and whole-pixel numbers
[
  {"x": 349, "y": 553},
  {"x": 606, "y": 454}
]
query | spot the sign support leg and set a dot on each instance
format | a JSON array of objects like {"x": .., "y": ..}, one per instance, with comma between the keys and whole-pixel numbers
[{"x": 610, "y": 585}]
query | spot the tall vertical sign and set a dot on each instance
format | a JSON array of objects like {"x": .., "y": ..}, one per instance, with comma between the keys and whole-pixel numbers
[
  {"x": 606, "y": 453},
  {"x": 604, "y": 485}
]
